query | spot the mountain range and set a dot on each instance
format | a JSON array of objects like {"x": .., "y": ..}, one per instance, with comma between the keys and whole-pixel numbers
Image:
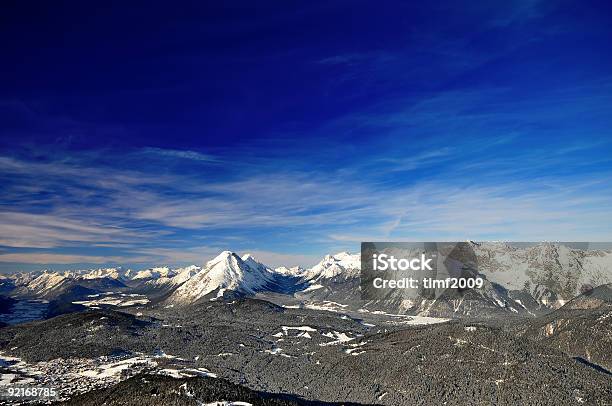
[{"x": 518, "y": 281}]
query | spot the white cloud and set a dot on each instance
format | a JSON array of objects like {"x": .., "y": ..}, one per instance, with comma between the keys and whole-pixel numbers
[
  {"x": 48, "y": 231},
  {"x": 181, "y": 154},
  {"x": 50, "y": 258}
]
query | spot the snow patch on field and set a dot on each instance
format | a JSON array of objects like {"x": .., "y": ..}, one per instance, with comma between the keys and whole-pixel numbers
[
  {"x": 300, "y": 328},
  {"x": 274, "y": 351},
  {"x": 113, "y": 299},
  {"x": 18, "y": 371},
  {"x": 338, "y": 338},
  {"x": 313, "y": 287},
  {"x": 115, "y": 368},
  {"x": 162, "y": 354},
  {"x": 186, "y": 372},
  {"x": 326, "y": 305},
  {"x": 278, "y": 351},
  {"x": 420, "y": 320}
]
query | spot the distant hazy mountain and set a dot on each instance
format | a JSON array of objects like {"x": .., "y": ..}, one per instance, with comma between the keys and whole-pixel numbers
[
  {"x": 562, "y": 271},
  {"x": 48, "y": 285},
  {"x": 296, "y": 271},
  {"x": 154, "y": 273},
  {"x": 112, "y": 273}
]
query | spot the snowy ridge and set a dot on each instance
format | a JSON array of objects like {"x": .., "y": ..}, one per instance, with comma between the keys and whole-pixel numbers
[
  {"x": 544, "y": 269},
  {"x": 296, "y": 271},
  {"x": 47, "y": 282},
  {"x": 342, "y": 263},
  {"x": 177, "y": 277},
  {"x": 113, "y": 273},
  {"x": 154, "y": 273},
  {"x": 184, "y": 274}
]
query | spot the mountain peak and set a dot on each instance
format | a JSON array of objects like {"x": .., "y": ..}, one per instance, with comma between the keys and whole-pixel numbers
[
  {"x": 252, "y": 263},
  {"x": 227, "y": 271},
  {"x": 248, "y": 256},
  {"x": 332, "y": 265},
  {"x": 224, "y": 255}
]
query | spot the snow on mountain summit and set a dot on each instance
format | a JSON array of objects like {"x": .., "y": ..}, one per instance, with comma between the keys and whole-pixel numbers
[
  {"x": 296, "y": 271},
  {"x": 332, "y": 265},
  {"x": 113, "y": 273},
  {"x": 47, "y": 281},
  {"x": 154, "y": 273},
  {"x": 252, "y": 262},
  {"x": 184, "y": 274},
  {"x": 226, "y": 272}
]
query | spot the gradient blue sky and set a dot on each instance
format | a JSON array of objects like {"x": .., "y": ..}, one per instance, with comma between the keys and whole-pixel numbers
[{"x": 162, "y": 134}]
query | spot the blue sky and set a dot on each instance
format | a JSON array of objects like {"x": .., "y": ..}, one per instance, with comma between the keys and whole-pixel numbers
[{"x": 151, "y": 135}]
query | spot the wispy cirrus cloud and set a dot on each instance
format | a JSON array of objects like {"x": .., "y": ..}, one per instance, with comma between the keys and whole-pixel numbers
[
  {"x": 150, "y": 219},
  {"x": 179, "y": 154},
  {"x": 28, "y": 230},
  {"x": 44, "y": 259}
]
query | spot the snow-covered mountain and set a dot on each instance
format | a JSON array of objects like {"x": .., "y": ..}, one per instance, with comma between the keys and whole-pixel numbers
[
  {"x": 113, "y": 273},
  {"x": 342, "y": 263},
  {"x": 547, "y": 271},
  {"x": 296, "y": 271},
  {"x": 154, "y": 273},
  {"x": 47, "y": 282},
  {"x": 22, "y": 278},
  {"x": 336, "y": 279},
  {"x": 545, "y": 267},
  {"x": 518, "y": 280},
  {"x": 226, "y": 272},
  {"x": 166, "y": 284},
  {"x": 182, "y": 275}
]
